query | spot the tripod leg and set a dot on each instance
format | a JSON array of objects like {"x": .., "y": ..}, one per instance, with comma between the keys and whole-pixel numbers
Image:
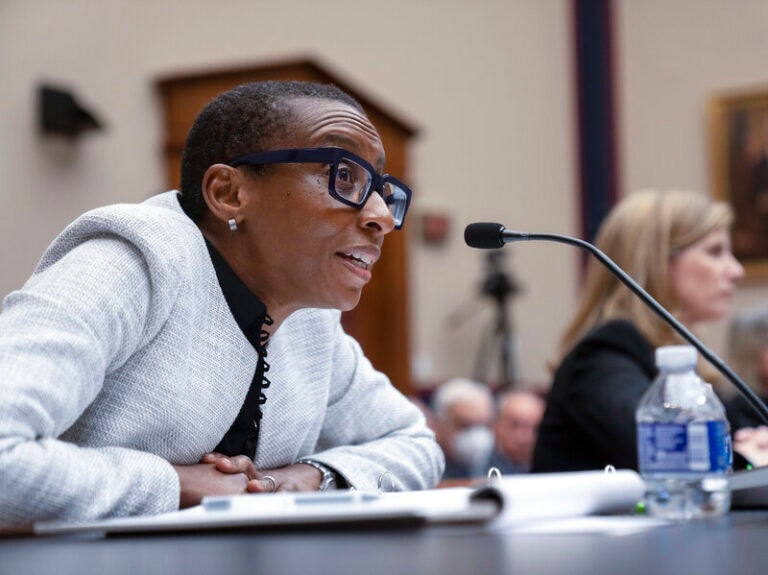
[{"x": 481, "y": 360}]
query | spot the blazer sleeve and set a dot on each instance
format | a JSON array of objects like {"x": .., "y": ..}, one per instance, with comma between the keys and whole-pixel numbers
[
  {"x": 74, "y": 321},
  {"x": 371, "y": 429}
]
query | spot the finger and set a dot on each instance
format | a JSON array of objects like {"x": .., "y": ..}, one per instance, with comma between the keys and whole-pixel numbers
[
  {"x": 236, "y": 464},
  {"x": 224, "y": 465},
  {"x": 212, "y": 457},
  {"x": 264, "y": 484},
  {"x": 743, "y": 434},
  {"x": 254, "y": 486},
  {"x": 761, "y": 442}
]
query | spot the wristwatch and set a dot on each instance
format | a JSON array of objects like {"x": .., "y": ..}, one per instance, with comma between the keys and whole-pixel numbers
[{"x": 328, "y": 481}]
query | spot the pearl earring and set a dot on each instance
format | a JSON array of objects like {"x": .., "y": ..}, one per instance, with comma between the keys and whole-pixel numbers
[{"x": 232, "y": 224}]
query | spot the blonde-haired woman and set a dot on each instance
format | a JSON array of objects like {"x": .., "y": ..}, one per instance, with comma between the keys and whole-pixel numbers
[{"x": 676, "y": 244}]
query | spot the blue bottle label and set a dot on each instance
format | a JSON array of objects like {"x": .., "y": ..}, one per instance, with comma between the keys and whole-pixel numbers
[{"x": 700, "y": 447}]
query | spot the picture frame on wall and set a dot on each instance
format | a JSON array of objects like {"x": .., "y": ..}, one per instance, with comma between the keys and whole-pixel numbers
[{"x": 739, "y": 141}]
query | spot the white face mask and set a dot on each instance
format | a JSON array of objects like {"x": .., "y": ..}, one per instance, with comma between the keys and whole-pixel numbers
[{"x": 472, "y": 448}]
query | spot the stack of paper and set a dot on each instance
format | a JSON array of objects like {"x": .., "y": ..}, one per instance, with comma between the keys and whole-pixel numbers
[{"x": 506, "y": 501}]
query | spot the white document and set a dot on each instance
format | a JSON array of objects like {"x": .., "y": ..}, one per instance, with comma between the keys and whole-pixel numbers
[
  {"x": 508, "y": 501},
  {"x": 574, "y": 494},
  {"x": 252, "y": 510}
]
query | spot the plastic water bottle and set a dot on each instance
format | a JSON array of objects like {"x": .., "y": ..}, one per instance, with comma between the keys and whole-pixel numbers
[{"x": 683, "y": 440}]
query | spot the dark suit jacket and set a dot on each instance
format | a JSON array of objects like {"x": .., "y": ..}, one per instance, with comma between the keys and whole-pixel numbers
[
  {"x": 742, "y": 414},
  {"x": 589, "y": 421}
]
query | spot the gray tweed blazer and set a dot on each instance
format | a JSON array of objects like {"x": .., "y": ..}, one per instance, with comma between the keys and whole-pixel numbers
[{"x": 120, "y": 357}]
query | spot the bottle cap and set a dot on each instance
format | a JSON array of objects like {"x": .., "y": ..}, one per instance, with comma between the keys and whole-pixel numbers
[{"x": 675, "y": 356}]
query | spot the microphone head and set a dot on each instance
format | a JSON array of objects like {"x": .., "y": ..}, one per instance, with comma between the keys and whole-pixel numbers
[{"x": 484, "y": 235}]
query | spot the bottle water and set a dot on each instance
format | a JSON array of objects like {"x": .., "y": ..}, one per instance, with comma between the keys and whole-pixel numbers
[{"x": 683, "y": 440}]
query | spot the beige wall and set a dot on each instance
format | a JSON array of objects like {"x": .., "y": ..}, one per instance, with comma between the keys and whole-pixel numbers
[
  {"x": 675, "y": 56},
  {"x": 488, "y": 83}
]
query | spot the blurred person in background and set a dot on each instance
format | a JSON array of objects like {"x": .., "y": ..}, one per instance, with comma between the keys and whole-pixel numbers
[
  {"x": 748, "y": 357},
  {"x": 515, "y": 429},
  {"x": 464, "y": 410},
  {"x": 677, "y": 246}
]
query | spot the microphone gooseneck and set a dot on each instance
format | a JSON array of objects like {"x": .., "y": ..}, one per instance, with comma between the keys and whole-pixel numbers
[{"x": 490, "y": 236}]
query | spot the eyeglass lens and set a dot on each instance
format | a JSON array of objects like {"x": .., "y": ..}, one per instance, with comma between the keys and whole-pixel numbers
[{"x": 353, "y": 181}]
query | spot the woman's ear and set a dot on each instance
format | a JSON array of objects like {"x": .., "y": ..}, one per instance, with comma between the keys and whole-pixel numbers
[{"x": 221, "y": 192}]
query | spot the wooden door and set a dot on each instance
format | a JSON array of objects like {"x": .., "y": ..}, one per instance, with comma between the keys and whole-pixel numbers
[{"x": 381, "y": 320}]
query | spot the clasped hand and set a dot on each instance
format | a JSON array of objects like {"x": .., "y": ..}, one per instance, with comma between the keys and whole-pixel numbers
[
  {"x": 752, "y": 443},
  {"x": 217, "y": 474}
]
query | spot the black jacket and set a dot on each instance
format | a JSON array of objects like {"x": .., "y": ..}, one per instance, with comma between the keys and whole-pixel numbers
[{"x": 589, "y": 421}]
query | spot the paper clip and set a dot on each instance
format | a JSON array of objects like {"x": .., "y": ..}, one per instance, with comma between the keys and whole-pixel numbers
[{"x": 494, "y": 475}]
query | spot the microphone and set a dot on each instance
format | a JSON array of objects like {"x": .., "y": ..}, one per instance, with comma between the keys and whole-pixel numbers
[
  {"x": 484, "y": 235},
  {"x": 488, "y": 236}
]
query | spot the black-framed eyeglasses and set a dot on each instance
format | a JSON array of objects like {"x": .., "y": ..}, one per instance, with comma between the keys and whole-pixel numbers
[{"x": 352, "y": 180}]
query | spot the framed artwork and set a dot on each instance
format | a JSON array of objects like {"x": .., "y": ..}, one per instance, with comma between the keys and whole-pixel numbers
[{"x": 739, "y": 132}]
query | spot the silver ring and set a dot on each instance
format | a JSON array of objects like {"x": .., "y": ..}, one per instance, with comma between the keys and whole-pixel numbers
[
  {"x": 381, "y": 488},
  {"x": 272, "y": 479}
]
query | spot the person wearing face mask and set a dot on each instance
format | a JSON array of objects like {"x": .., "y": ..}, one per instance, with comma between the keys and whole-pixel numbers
[
  {"x": 464, "y": 410},
  {"x": 676, "y": 245}
]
